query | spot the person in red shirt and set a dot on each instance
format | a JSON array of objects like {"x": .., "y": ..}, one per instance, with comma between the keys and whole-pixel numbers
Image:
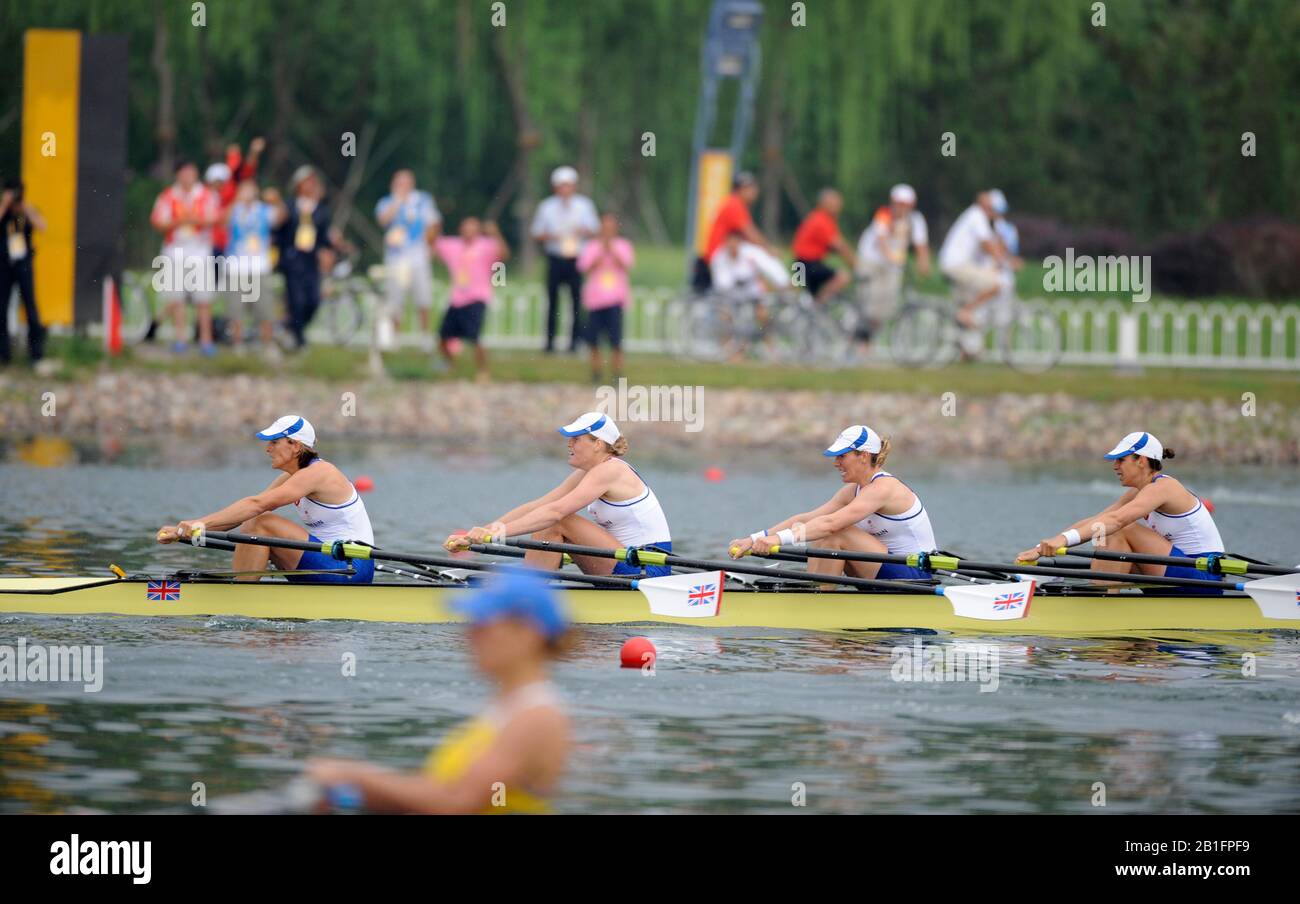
[
  {"x": 732, "y": 216},
  {"x": 224, "y": 179},
  {"x": 818, "y": 235}
]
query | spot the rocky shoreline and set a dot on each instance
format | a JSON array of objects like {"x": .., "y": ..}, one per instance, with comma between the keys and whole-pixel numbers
[{"x": 1039, "y": 427}]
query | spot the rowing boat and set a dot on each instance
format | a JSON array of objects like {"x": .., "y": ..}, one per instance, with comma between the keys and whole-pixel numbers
[{"x": 808, "y": 610}]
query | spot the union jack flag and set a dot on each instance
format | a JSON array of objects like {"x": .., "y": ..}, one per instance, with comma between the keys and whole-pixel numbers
[
  {"x": 163, "y": 591},
  {"x": 701, "y": 594},
  {"x": 1007, "y": 601},
  {"x": 1297, "y": 597}
]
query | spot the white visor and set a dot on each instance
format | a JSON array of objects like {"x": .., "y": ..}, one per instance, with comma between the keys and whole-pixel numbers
[
  {"x": 1138, "y": 444},
  {"x": 564, "y": 175},
  {"x": 854, "y": 439},
  {"x": 291, "y": 426},
  {"x": 599, "y": 425}
]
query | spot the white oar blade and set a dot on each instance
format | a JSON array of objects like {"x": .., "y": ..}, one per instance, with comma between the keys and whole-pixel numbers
[
  {"x": 1277, "y": 597},
  {"x": 684, "y": 595},
  {"x": 990, "y": 602}
]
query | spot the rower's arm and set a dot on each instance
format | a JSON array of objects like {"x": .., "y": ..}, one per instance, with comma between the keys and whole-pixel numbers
[
  {"x": 834, "y": 504},
  {"x": 594, "y": 484},
  {"x": 566, "y": 486},
  {"x": 284, "y": 490},
  {"x": 865, "y": 503},
  {"x": 1143, "y": 503}
]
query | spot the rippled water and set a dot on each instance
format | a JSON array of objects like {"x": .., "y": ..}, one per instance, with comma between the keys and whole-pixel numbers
[{"x": 730, "y": 721}]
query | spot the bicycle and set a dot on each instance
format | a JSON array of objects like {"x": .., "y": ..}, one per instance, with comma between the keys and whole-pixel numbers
[
  {"x": 343, "y": 297},
  {"x": 925, "y": 332}
]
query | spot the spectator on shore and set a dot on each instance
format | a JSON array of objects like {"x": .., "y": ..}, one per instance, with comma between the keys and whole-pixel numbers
[
  {"x": 411, "y": 223},
  {"x": 817, "y": 236},
  {"x": 470, "y": 258},
  {"x": 972, "y": 255},
  {"x": 18, "y": 220},
  {"x": 225, "y": 179},
  {"x": 733, "y": 216},
  {"x": 185, "y": 213},
  {"x": 562, "y": 223},
  {"x": 882, "y": 254},
  {"x": 250, "y": 223},
  {"x": 304, "y": 240},
  {"x": 605, "y": 263}
]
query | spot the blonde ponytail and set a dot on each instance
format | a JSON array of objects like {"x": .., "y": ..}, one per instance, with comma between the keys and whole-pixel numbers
[{"x": 878, "y": 458}]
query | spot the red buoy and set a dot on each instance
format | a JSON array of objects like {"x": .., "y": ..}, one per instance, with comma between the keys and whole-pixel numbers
[
  {"x": 1209, "y": 506},
  {"x": 714, "y": 475},
  {"x": 637, "y": 652},
  {"x": 363, "y": 484}
]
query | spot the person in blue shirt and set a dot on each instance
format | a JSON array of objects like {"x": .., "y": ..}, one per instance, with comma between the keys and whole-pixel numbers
[
  {"x": 411, "y": 223},
  {"x": 250, "y": 221}
]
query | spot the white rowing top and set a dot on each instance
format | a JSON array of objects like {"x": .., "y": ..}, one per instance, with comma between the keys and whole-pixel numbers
[
  {"x": 1193, "y": 532},
  {"x": 348, "y": 521},
  {"x": 636, "y": 522},
  {"x": 902, "y": 534}
]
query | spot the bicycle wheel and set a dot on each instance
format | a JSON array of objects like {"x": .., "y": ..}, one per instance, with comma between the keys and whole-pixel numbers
[
  {"x": 1031, "y": 340},
  {"x": 704, "y": 330},
  {"x": 343, "y": 314},
  {"x": 918, "y": 333}
]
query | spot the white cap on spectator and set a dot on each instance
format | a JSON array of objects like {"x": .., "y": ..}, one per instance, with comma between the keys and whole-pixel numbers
[
  {"x": 998, "y": 200},
  {"x": 902, "y": 193},
  {"x": 563, "y": 175},
  {"x": 217, "y": 172},
  {"x": 302, "y": 174}
]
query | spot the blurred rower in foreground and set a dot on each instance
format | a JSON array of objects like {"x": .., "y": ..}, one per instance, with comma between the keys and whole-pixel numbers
[{"x": 510, "y": 758}]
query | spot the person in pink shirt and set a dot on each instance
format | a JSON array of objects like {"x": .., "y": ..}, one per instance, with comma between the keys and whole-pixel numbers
[
  {"x": 471, "y": 258},
  {"x": 604, "y": 263}
]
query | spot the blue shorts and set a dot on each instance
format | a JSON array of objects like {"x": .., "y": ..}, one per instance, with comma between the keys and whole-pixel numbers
[
  {"x": 314, "y": 561},
  {"x": 891, "y": 571},
  {"x": 1183, "y": 571},
  {"x": 645, "y": 571}
]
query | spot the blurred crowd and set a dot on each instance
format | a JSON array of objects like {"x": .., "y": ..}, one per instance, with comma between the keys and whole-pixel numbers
[{"x": 240, "y": 232}]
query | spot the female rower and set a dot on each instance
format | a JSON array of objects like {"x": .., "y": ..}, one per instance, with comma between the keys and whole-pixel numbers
[
  {"x": 624, "y": 511},
  {"x": 875, "y": 512},
  {"x": 326, "y": 500},
  {"x": 510, "y": 758},
  {"x": 1157, "y": 515}
]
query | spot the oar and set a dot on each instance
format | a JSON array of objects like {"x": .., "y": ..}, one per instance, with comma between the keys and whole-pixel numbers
[
  {"x": 1277, "y": 597},
  {"x": 989, "y": 602},
  {"x": 340, "y": 549},
  {"x": 1217, "y": 563},
  {"x": 656, "y": 557},
  {"x": 936, "y": 561}
]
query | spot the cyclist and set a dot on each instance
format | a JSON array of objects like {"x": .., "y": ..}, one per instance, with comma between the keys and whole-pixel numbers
[
  {"x": 748, "y": 274},
  {"x": 972, "y": 255},
  {"x": 882, "y": 253},
  {"x": 815, "y": 238},
  {"x": 1009, "y": 236},
  {"x": 733, "y": 216}
]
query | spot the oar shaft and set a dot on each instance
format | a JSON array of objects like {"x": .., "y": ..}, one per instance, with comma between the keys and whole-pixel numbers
[
  {"x": 360, "y": 551},
  {"x": 952, "y": 563},
  {"x": 712, "y": 565},
  {"x": 1199, "y": 562}
]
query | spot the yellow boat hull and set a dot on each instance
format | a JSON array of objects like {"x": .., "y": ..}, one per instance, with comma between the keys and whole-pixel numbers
[{"x": 1126, "y": 615}]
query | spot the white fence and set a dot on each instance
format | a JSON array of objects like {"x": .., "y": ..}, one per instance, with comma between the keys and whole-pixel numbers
[{"x": 1158, "y": 333}]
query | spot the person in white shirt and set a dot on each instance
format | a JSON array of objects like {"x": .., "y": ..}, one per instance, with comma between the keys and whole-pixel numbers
[
  {"x": 411, "y": 223},
  {"x": 748, "y": 273},
  {"x": 185, "y": 213},
  {"x": 882, "y": 252},
  {"x": 972, "y": 255},
  {"x": 563, "y": 222}
]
